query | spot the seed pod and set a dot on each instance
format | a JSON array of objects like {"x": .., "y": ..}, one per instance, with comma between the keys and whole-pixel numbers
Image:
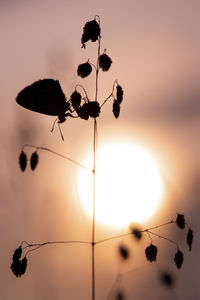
[
  {"x": 136, "y": 233},
  {"x": 75, "y": 99},
  {"x": 23, "y": 161},
  {"x": 120, "y": 93},
  {"x": 91, "y": 31},
  {"x": 116, "y": 108},
  {"x": 17, "y": 254},
  {"x": 16, "y": 268},
  {"x": 151, "y": 253},
  {"x": 94, "y": 109},
  {"x": 82, "y": 111},
  {"x": 167, "y": 279},
  {"x": 23, "y": 265},
  {"x": 104, "y": 62},
  {"x": 178, "y": 259},
  {"x": 34, "y": 160},
  {"x": 124, "y": 252},
  {"x": 84, "y": 70},
  {"x": 190, "y": 238},
  {"x": 180, "y": 221}
]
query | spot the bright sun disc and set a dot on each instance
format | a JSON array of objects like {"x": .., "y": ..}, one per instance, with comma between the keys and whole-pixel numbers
[{"x": 128, "y": 185}]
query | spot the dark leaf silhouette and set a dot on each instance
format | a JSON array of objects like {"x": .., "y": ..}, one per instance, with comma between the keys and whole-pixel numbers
[
  {"x": 124, "y": 252},
  {"x": 190, "y": 238},
  {"x": 178, "y": 259},
  {"x": 116, "y": 109},
  {"x": 151, "y": 253},
  {"x": 34, "y": 160},
  {"x": 120, "y": 296},
  {"x": 84, "y": 70},
  {"x": 93, "y": 109},
  {"x": 18, "y": 267},
  {"x": 167, "y": 279},
  {"x": 105, "y": 62},
  {"x": 83, "y": 112},
  {"x": 75, "y": 99},
  {"x": 120, "y": 93},
  {"x": 180, "y": 221},
  {"x": 23, "y": 161},
  {"x": 23, "y": 265},
  {"x": 44, "y": 96},
  {"x": 136, "y": 233},
  {"x": 17, "y": 254},
  {"x": 91, "y": 31}
]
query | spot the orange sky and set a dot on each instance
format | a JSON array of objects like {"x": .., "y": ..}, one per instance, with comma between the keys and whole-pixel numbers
[{"x": 155, "y": 48}]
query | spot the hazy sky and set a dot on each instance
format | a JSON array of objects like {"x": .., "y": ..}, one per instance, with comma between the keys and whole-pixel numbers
[{"x": 154, "y": 46}]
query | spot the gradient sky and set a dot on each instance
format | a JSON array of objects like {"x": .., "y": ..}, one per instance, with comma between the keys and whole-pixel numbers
[{"x": 154, "y": 46}]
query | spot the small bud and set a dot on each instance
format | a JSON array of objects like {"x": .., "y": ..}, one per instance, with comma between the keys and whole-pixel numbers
[
  {"x": 116, "y": 108},
  {"x": 34, "y": 160},
  {"x": 180, "y": 221},
  {"x": 136, "y": 233},
  {"x": 190, "y": 238},
  {"x": 84, "y": 70},
  {"x": 75, "y": 99},
  {"x": 120, "y": 93},
  {"x": 124, "y": 252},
  {"x": 104, "y": 62},
  {"x": 23, "y": 161},
  {"x": 151, "y": 253},
  {"x": 167, "y": 279},
  {"x": 178, "y": 259}
]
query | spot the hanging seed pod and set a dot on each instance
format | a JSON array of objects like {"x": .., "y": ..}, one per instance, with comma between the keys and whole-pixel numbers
[
  {"x": 34, "y": 160},
  {"x": 120, "y": 93},
  {"x": 116, "y": 108},
  {"x": 75, "y": 99},
  {"x": 91, "y": 31},
  {"x": 104, "y": 62},
  {"x": 84, "y": 70},
  {"x": 82, "y": 111},
  {"x": 136, "y": 233},
  {"x": 23, "y": 161},
  {"x": 151, "y": 253},
  {"x": 23, "y": 265},
  {"x": 16, "y": 268},
  {"x": 180, "y": 221},
  {"x": 167, "y": 279},
  {"x": 94, "y": 109},
  {"x": 189, "y": 238},
  {"x": 178, "y": 259},
  {"x": 124, "y": 252},
  {"x": 17, "y": 254}
]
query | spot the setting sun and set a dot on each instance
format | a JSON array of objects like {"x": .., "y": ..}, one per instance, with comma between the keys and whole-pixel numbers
[{"x": 128, "y": 185}]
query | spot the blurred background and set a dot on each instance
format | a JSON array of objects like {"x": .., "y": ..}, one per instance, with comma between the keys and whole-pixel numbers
[{"x": 154, "y": 46}]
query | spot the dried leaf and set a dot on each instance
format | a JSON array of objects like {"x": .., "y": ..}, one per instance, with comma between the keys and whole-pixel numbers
[
  {"x": 105, "y": 62},
  {"x": 124, "y": 252},
  {"x": 167, "y": 279},
  {"x": 94, "y": 109},
  {"x": 23, "y": 161},
  {"x": 136, "y": 233},
  {"x": 82, "y": 111},
  {"x": 190, "y": 238},
  {"x": 23, "y": 265},
  {"x": 75, "y": 99},
  {"x": 17, "y": 254},
  {"x": 180, "y": 221},
  {"x": 91, "y": 31},
  {"x": 16, "y": 268},
  {"x": 116, "y": 108},
  {"x": 34, "y": 160},
  {"x": 151, "y": 253},
  {"x": 84, "y": 70},
  {"x": 120, "y": 93},
  {"x": 178, "y": 259}
]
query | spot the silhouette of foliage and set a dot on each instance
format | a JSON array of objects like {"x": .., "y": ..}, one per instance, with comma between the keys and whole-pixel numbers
[
  {"x": 167, "y": 279},
  {"x": 22, "y": 161},
  {"x": 34, "y": 160},
  {"x": 91, "y": 31},
  {"x": 104, "y": 62},
  {"x": 83, "y": 112},
  {"x": 178, "y": 259},
  {"x": 120, "y": 94},
  {"x": 151, "y": 253},
  {"x": 17, "y": 254},
  {"x": 18, "y": 267},
  {"x": 116, "y": 108},
  {"x": 124, "y": 252},
  {"x": 75, "y": 99},
  {"x": 136, "y": 233},
  {"x": 180, "y": 221},
  {"x": 189, "y": 238},
  {"x": 120, "y": 296},
  {"x": 94, "y": 109},
  {"x": 84, "y": 70}
]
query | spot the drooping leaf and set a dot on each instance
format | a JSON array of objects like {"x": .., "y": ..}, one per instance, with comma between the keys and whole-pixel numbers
[
  {"x": 94, "y": 109},
  {"x": 136, "y": 233},
  {"x": 17, "y": 254},
  {"x": 83, "y": 112},
  {"x": 104, "y": 62},
  {"x": 75, "y": 99},
  {"x": 23, "y": 265},
  {"x": 151, "y": 253},
  {"x": 124, "y": 252},
  {"x": 180, "y": 221},
  {"x": 116, "y": 108},
  {"x": 190, "y": 238},
  {"x": 178, "y": 259},
  {"x": 84, "y": 70},
  {"x": 22, "y": 161},
  {"x": 16, "y": 268},
  {"x": 34, "y": 160},
  {"x": 120, "y": 93},
  {"x": 167, "y": 279},
  {"x": 91, "y": 31}
]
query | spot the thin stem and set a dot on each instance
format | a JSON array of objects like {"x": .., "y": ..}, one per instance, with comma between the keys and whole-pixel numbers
[
  {"x": 79, "y": 85},
  {"x": 113, "y": 238},
  {"x": 162, "y": 237},
  {"x": 158, "y": 226},
  {"x": 58, "y": 154},
  {"x": 111, "y": 94}
]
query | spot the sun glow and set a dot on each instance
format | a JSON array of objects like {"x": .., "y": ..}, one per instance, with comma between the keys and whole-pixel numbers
[{"x": 128, "y": 185}]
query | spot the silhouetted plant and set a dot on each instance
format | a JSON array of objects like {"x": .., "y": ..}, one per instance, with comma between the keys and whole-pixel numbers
[{"x": 46, "y": 96}]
